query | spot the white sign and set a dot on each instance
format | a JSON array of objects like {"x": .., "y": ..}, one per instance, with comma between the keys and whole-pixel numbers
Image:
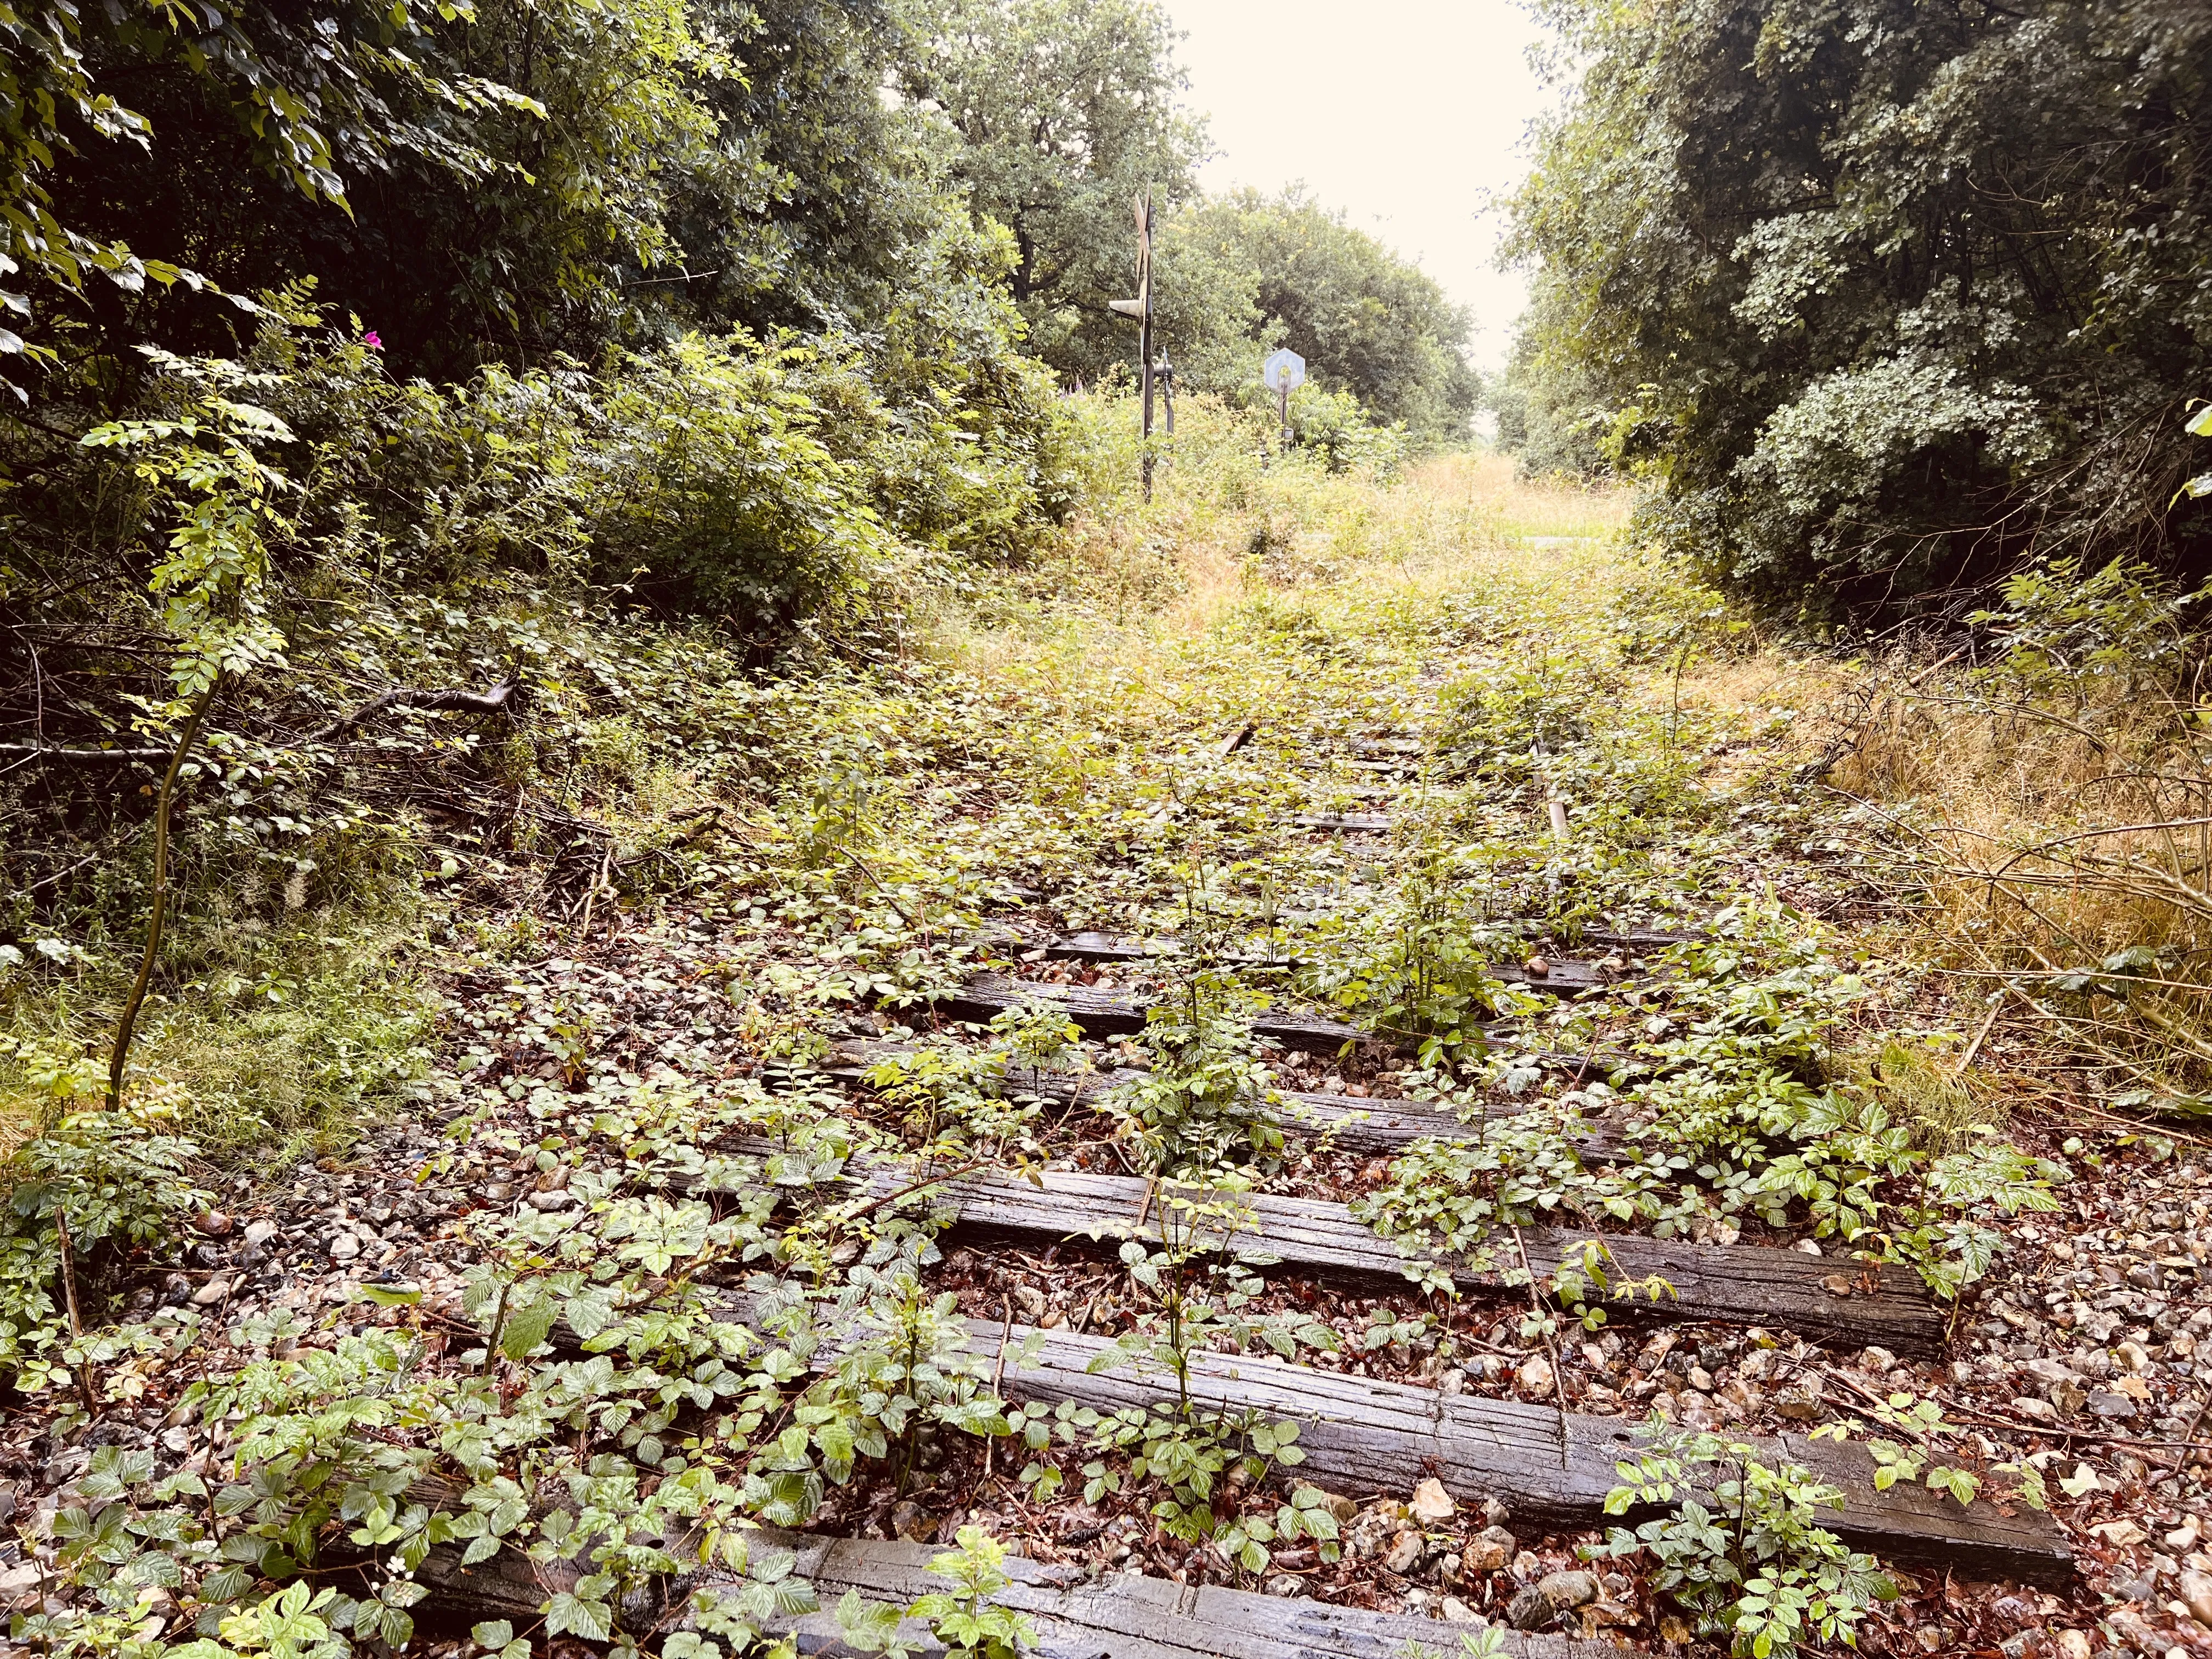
[{"x": 1284, "y": 371}]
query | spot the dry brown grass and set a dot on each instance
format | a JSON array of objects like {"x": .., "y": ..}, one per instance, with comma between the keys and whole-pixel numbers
[{"x": 2058, "y": 847}]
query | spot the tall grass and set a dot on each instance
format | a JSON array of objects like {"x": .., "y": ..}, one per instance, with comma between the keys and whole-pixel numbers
[{"x": 2044, "y": 800}]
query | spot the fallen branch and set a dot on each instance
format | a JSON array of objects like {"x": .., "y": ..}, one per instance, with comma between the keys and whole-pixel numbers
[{"x": 452, "y": 700}]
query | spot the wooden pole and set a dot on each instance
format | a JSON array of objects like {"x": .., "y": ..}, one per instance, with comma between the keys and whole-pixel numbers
[
  {"x": 1144, "y": 351},
  {"x": 1144, "y": 326}
]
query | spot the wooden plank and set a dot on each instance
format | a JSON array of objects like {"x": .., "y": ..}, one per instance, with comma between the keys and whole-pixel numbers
[
  {"x": 1105, "y": 1014},
  {"x": 1637, "y": 939},
  {"x": 1561, "y": 978},
  {"x": 1552, "y": 1469},
  {"x": 1742, "y": 1284},
  {"x": 1353, "y": 1124},
  {"x": 1121, "y": 1615},
  {"x": 1354, "y": 823},
  {"x": 1130, "y": 1617}
]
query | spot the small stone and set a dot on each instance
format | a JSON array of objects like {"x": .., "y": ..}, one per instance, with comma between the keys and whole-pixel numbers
[
  {"x": 1805, "y": 1247},
  {"x": 216, "y": 1289},
  {"x": 2116, "y": 1406},
  {"x": 1404, "y": 1554},
  {"x": 553, "y": 1201},
  {"x": 2052, "y": 1370},
  {"x": 1494, "y": 1513},
  {"x": 2194, "y": 1589},
  {"x": 1490, "y": 1550},
  {"x": 18, "y": 1579},
  {"x": 2074, "y": 1644},
  {"x": 1798, "y": 1404},
  {"x": 1284, "y": 1583},
  {"x": 1534, "y": 1379},
  {"x": 1538, "y": 966},
  {"x": 1701, "y": 1379},
  {"x": 344, "y": 1248},
  {"x": 2183, "y": 1537},
  {"x": 177, "y": 1441},
  {"x": 2133, "y": 1356},
  {"x": 1526, "y": 1611},
  {"x": 498, "y": 1193},
  {"x": 259, "y": 1233},
  {"x": 1031, "y": 1301},
  {"x": 1456, "y": 1612},
  {"x": 2038, "y": 1410},
  {"x": 2067, "y": 1399},
  {"x": 1432, "y": 1506},
  {"x": 1451, "y": 1381},
  {"x": 1376, "y": 1528},
  {"x": 215, "y": 1224},
  {"x": 1877, "y": 1359},
  {"x": 913, "y": 1523},
  {"x": 2122, "y": 1533},
  {"x": 1571, "y": 1588}
]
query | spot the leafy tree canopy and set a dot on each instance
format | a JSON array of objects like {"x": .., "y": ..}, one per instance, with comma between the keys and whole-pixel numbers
[
  {"x": 1884, "y": 294},
  {"x": 1055, "y": 116},
  {"x": 1366, "y": 320}
]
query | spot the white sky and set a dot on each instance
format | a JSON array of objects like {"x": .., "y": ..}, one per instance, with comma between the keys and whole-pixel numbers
[{"x": 1405, "y": 114}]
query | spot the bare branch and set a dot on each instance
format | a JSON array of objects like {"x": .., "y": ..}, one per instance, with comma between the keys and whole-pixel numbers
[{"x": 452, "y": 700}]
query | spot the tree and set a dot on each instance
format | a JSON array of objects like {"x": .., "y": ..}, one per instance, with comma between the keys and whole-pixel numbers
[
  {"x": 1886, "y": 295},
  {"x": 1055, "y": 115},
  {"x": 1366, "y": 320},
  {"x": 607, "y": 169}
]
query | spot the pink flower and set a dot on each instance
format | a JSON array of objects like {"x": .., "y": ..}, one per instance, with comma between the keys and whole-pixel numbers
[{"x": 370, "y": 340}]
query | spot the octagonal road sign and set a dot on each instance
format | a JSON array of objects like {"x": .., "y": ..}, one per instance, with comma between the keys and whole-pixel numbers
[{"x": 1284, "y": 371}]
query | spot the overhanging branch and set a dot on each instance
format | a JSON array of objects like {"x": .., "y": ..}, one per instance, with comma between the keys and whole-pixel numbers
[{"x": 452, "y": 700}]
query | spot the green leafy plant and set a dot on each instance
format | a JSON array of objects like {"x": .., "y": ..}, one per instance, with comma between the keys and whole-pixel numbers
[
  {"x": 965, "y": 1620},
  {"x": 1742, "y": 1549},
  {"x": 115, "y": 1182},
  {"x": 1205, "y": 1094}
]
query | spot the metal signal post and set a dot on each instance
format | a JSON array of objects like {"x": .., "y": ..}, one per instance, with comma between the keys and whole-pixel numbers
[
  {"x": 1142, "y": 309},
  {"x": 1284, "y": 372}
]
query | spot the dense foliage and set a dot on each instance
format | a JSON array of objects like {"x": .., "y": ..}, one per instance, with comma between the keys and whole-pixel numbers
[
  {"x": 1884, "y": 294},
  {"x": 1367, "y": 321},
  {"x": 1057, "y": 116}
]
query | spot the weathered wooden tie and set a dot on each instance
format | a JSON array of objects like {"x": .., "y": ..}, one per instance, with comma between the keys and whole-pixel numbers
[
  {"x": 1104, "y": 1013},
  {"x": 1850, "y": 1305},
  {"x": 1351, "y": 1123},
  {"x": 1122, "y": 1615},
  {"x": 1552, "y": 1469},
  {"x": 1560, "y": 978}
]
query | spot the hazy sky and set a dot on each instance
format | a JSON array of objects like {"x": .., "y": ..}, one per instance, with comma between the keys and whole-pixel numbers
[{"x": 1405, "y": 113}]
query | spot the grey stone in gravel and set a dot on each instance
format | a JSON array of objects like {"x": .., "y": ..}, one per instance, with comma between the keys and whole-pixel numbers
[
  {"x": 1571, "y": 1589},
  {"x": 2117, "y": 1406},
  {"x": 260, "y": 1232},
  {"x": 344, "y": 1248}
]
